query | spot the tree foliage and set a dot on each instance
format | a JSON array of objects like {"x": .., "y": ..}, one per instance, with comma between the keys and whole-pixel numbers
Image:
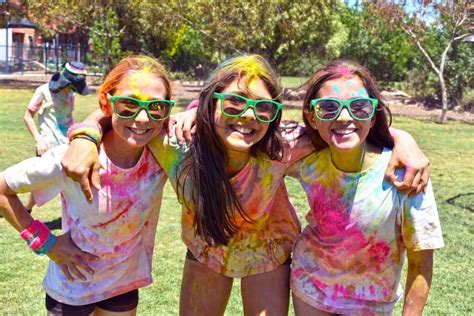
[{"x": 450, "y": 18}]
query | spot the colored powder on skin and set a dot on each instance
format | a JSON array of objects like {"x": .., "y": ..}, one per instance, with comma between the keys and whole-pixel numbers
[
  {"x": 141, "y": 77},
  {"x": 336, "y": 89},
  {"x": 363, "y": 93}
]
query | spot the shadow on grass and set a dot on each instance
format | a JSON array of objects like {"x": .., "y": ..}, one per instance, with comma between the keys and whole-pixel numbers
[
  {"x": 464, "y": 200},
  {"x": 54, "y": 224}
]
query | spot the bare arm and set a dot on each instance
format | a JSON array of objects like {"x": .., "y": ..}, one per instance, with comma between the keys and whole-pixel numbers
[
  {"x": 420, "y": 273},
  {"x": 65, "y": 253},
  {"x": 406, "y": 154},
  {"x": 41, "y": 145},
  {"x": 81, "y": 160}
]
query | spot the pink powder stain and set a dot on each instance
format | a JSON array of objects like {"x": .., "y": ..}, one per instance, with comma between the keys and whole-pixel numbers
[
  {"x": 298, "y": 272},
  {"x": 320, "y": 284},
  {"x": 346, "y": 245},
  {"x": 378, "y": 254},
  {"x": 344, "y": 71},
  {"x": 126, "y": 208},
  {"x": 372, "y": 290},
  {"x": 142, "y": 171}
]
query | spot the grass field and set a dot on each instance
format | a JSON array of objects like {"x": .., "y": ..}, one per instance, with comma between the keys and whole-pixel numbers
[{"x": 450, "y": 148}]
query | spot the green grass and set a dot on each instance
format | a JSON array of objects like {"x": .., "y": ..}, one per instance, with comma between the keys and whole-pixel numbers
[
  {"x": 450, "y": 148},
  {"x": 292, "y": 82}
]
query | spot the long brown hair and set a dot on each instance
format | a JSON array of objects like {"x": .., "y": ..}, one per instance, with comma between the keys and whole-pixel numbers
[
  {"x": 214, "y": 201},
  {"x": 379, "y": 134}
]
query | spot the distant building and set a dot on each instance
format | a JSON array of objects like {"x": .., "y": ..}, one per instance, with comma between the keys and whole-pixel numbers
[{"x": 23, "y": 48}]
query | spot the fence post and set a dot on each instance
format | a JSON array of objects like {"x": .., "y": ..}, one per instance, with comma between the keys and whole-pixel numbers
[{"x": 7, "y": 69}]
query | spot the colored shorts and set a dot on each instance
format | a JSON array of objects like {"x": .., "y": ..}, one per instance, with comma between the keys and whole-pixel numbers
[
  {"x": 120, "y": 303},
  {"x": 190, "y": 256}
]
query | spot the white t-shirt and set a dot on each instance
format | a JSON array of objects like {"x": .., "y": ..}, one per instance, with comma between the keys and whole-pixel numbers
[
  {"x": 54, "y": 113},
  {"x": 349, "y": 257},
  {"x": 119, "y": 227}
]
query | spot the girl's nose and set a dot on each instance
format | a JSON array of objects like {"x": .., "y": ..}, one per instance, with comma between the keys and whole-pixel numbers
[
  {"x": 344, "y": 115},
  {"x": 249, "y": 114},
  {"x": 142, "y": 116}
]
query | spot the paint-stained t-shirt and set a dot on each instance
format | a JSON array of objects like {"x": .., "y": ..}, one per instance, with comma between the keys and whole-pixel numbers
[
  {"x": 54, "y": 113},
  {"x": 259, "y": 246},
  {"x": 349, "y": 257},
  {"x": 119, "y": 226}
]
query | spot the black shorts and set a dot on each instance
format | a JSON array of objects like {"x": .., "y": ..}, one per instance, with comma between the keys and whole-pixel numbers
[
  {"x": 190, "y": 256},
  {"x": 120, "y": 303}
]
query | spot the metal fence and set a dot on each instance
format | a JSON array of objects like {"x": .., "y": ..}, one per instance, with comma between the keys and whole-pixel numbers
[{"x": 47, "y": 58}]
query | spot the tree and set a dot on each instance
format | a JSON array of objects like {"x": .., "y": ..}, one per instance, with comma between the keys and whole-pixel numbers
[
  {"x": 385, "y": 52},
  {"x": 278, "y": 29},
  {"x": 450, "y": 17},
  {"x": 97, "y": 19}
]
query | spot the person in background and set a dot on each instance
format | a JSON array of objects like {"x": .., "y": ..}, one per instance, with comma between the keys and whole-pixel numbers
[{"x": 54, "y": 103}]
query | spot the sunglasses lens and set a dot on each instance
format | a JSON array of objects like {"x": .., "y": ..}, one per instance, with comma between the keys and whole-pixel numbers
[
  {"x": 125, "y": 107},
  {"x": 266, "y": 111},
  {"x": 233, "y": 105},
  {"x": 361, "y": 109},
  {"x": 159, "y": 110},
  {"x": 327, "y": 109}
]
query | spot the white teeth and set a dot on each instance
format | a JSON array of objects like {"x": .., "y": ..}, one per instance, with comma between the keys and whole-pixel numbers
[
  {"x": 344, "y": 131},
  {"x": 242, "y": 130},
  {"x": 139, "y": 131}
]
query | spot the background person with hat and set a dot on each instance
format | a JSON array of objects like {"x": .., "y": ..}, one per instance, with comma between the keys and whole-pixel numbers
[{"x": 54, "y": 103}]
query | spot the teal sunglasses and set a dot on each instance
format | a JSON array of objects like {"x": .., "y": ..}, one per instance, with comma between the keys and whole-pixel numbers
[
  {"x": 128, "y": 107},
  {"x": 328, "y": 109},
  {"x": 235, "y": 105}
]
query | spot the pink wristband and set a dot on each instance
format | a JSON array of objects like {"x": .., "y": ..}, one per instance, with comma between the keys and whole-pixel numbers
[
  {"x": 32, "y": 229},
  {"x": 40, "y": 239},
  {"x": 194, "y": 104}
]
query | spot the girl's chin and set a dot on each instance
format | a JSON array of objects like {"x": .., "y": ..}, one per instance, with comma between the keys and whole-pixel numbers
[{"x": 344, "y": 145}]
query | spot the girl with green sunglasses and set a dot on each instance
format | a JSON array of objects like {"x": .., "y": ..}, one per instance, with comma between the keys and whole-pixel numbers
[{"x": 237, "y": 220}]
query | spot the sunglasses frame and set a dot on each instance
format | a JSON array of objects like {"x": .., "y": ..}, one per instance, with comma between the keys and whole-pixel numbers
[
  {"x": 141, "y": 104},
  {"x": 344, "y": 104},
  {"x": 249, "y": 102}
]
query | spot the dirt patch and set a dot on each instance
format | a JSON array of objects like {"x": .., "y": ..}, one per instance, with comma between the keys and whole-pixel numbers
[{"x": 399, "y": 103}]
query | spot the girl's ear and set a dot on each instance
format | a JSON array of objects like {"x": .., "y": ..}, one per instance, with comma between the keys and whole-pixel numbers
[
  {"x": 310, "y": 117},
  {"x": 105, "y": 104},
  {"x": 372, "y": 122}
]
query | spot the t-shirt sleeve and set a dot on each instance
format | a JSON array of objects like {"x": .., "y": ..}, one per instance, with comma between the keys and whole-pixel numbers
[
  {"x": 36, "y": 101},
  {"x": 421, "y": 228},
  {"x": 41, "y": 176}
]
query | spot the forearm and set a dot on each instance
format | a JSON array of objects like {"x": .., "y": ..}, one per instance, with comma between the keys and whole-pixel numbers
[
  {"x": 31, "y": 126},
  {"x": 100, "y": 120},
  {"x": 420, "y": 272},
  {"x": 11, "y": 207}
]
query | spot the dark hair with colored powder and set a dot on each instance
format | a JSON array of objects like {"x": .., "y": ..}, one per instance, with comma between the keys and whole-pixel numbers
[
  {"x": 379, "y": 134},
  {"x": 212, "y": 197}
]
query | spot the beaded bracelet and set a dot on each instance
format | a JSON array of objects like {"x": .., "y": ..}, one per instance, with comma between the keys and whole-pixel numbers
[{"x": 85, "y": 131}]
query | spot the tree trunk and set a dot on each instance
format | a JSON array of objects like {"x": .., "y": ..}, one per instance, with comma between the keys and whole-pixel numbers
[{"x": 444, "y": 98}]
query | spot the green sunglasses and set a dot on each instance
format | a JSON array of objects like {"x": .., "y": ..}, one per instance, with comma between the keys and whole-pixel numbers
[
  {"x": 328, "y": 109},
  {"x": 234, "y": 105},
  {"x": 128, "y": 107}
]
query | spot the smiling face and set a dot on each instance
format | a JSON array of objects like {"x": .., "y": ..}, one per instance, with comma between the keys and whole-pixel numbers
[
  {"x": 344, "y": 133},
  {"x": 138, "y": 131},
  {"x": 241, "y": 133}
]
